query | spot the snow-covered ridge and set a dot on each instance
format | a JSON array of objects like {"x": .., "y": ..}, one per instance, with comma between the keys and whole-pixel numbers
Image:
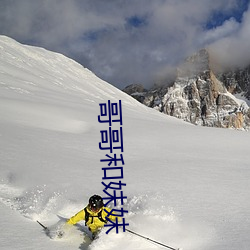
[
  {"x": 33, "y": 74},
  {"x": 34, "y": 66}
]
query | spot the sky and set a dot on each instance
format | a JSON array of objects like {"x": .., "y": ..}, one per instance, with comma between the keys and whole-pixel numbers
[{"x": 132, "y": 41}]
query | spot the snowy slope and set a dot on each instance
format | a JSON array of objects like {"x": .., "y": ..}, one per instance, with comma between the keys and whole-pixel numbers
[{"x": 187, "y": 186}]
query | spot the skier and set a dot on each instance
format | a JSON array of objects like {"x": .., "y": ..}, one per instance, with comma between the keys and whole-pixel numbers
[{"x": 94, "y": 215}]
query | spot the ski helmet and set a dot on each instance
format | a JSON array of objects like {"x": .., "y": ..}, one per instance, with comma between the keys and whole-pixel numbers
[{"x": 95, "y": 202}]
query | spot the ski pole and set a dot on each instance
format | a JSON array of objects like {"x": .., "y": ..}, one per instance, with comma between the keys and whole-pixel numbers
[
  {"x": 152, "y": 240},
  {"x": 45, "y": 228}
]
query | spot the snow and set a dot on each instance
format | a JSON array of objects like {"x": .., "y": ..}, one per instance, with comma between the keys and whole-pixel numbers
[
  {"x": 187, "y": 186},
  {"x": 242, "y": 99}
]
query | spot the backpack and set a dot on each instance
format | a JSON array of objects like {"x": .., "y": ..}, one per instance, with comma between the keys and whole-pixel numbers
[{"x": 87, "y": 215}]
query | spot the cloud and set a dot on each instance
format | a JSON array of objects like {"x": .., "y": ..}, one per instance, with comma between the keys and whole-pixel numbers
[
  {"x": 233, "y": 49},
  {"x": 228, "y": 28},
  {"x": 124, "y": 42}
]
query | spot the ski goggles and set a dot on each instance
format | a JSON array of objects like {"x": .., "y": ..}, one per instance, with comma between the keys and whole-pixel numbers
[{"x": 94, "y": 208}]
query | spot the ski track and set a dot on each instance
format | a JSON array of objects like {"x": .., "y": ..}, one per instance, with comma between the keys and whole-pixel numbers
[{"x": 147, "y": 216}]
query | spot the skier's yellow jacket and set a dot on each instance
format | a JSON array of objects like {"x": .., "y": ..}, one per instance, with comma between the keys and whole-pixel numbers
[{"x": 93, "y": 223}]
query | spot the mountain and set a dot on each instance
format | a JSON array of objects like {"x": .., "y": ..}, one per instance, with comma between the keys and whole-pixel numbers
[
  {"x": 202, "y": 97},
  {"x": 237, "y": 81}
]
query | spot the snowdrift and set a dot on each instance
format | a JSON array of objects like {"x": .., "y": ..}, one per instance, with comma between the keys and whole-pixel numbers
[{"x": 187, "y": 186}]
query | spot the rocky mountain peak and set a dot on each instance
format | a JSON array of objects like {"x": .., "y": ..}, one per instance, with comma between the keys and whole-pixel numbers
[
  {"x": 197, "y": 64},
  {"x": 200, "y": 96}
]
